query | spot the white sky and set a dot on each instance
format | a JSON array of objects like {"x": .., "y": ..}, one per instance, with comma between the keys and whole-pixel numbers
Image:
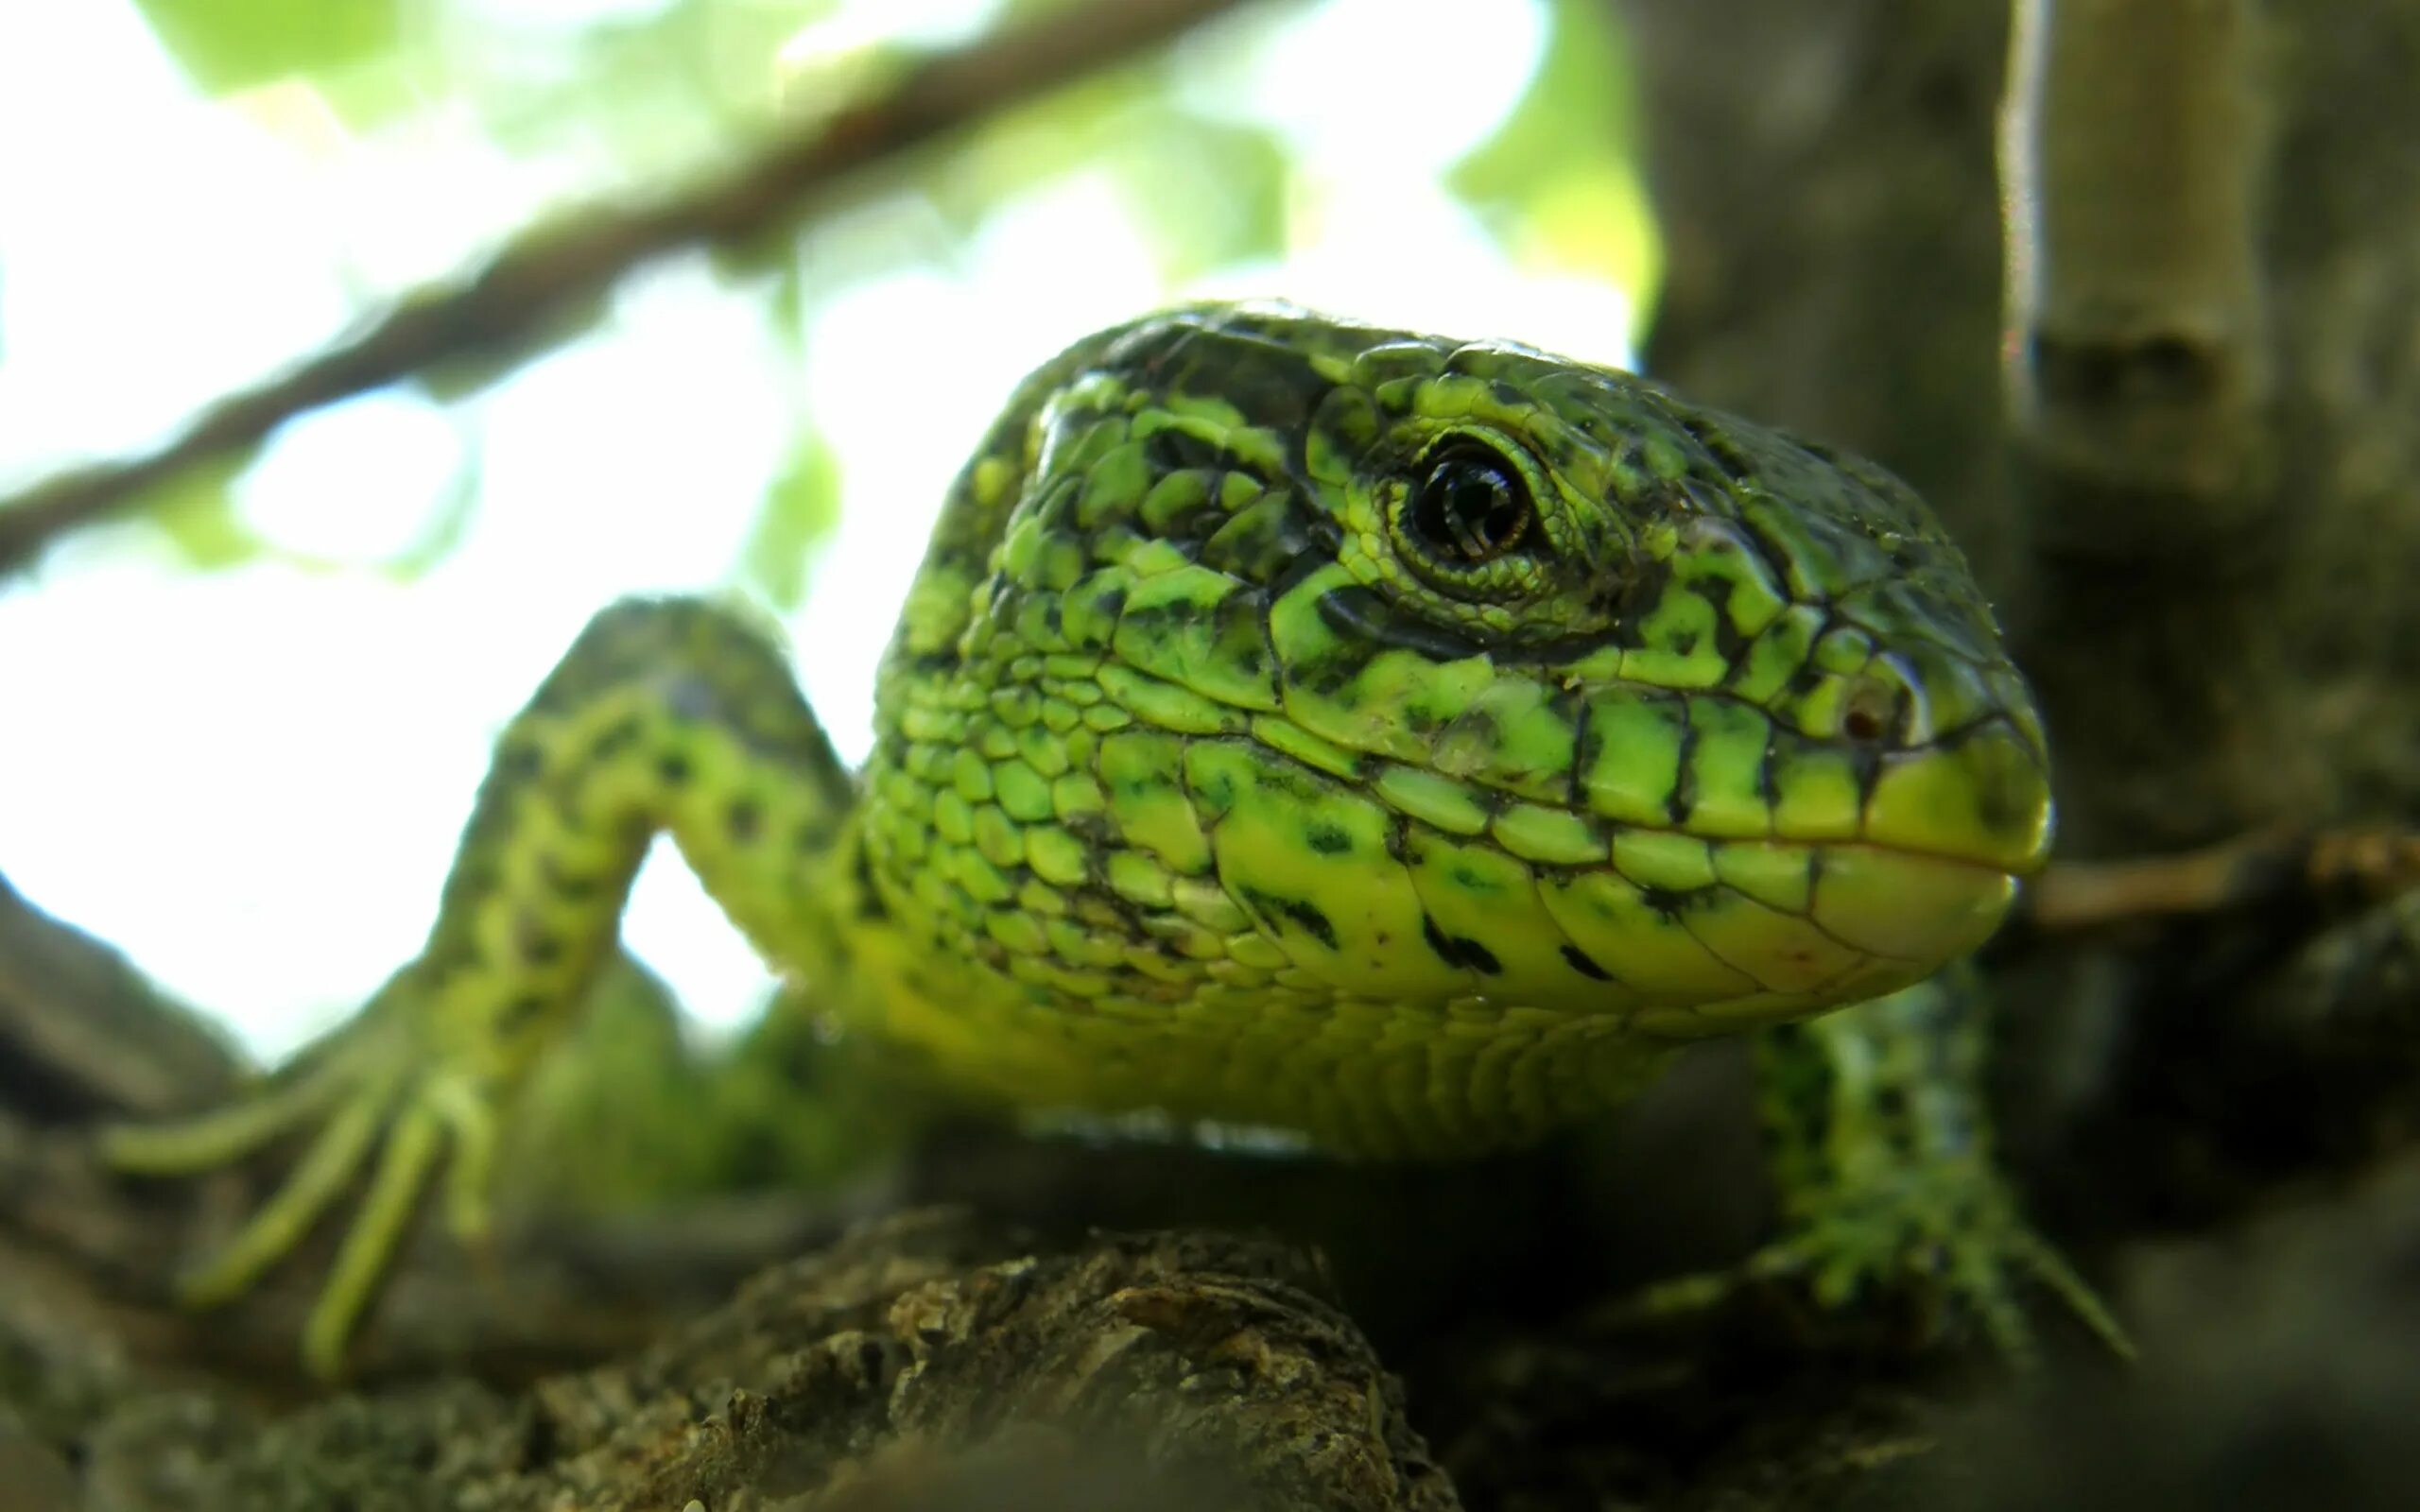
[{"x": 252, "y": 779}]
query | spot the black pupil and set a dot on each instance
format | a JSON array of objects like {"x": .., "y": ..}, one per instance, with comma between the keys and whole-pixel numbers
[{"x": 1472, "y": 504}]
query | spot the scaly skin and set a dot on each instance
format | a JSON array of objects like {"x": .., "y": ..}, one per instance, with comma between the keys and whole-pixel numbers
[{"x": 1405, "y": 743}]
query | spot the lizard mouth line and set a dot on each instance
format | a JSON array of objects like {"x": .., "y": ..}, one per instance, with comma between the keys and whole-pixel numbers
[
  {"x": 1872, "y": 917},
  {"x": 1994, "y": 869},
  {"x": 1878, "y": 849}
]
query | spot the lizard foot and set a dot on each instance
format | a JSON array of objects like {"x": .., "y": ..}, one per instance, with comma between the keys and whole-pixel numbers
[
  {"x": 373, "y": 1098},
  {"x": 1949, "y": 1235}
]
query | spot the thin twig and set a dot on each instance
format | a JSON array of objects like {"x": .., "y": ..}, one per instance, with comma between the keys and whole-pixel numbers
[
  {"x": 2272, "y": 871},
  {"x": 518, "y": 299}
]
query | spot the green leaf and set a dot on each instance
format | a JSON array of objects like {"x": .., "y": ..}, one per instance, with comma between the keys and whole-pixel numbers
[
  {"x": 786, "y": 309},
  {"x": 225, "y": 45},
  {"x": 195, "y": 510},
  {"x": 1559, "y": 179},
  {"x": 1212, "y": 192},
  {"x": 801, "y": 505},
  {"x": 1581, "y": 105},
  {"x": 449, "y": 521}
]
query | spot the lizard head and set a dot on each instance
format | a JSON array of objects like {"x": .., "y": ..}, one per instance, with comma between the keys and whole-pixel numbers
[{"x": 1468, "y": 671}]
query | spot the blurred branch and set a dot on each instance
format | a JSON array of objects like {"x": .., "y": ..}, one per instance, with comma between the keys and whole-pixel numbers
[
  {"x": 2277, "y": 874},
  {"x": 2136, "y": 148},
  {"x": 2145, "y": 194},
  {"x": 518, "y": 298}
]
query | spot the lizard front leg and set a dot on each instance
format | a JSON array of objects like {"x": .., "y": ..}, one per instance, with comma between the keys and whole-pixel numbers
[
  {"x": 665, "y": 715},
  {"x": 1879, "y": 1144}
]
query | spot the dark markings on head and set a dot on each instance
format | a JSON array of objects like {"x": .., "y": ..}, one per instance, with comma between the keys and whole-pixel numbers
[
  {"x": 1303, "y": 538},
  {"x": 1170, "y": 450},
  {"x": 673, "y": 769},
  {"x": 1329, "y": 675},
  {"x": 1326, "y": 839},
  {"x": 1256, "y": 660},
  {"x": 1638, "y": 583},
  {"x": 1727, "y": 455},
  {"x": 1684, "y": 796},
  {"x": 1865, "y": 765},
  {"x": 1588, "y": 743},
  {"x": 1358, "y": 611},
  {"x": 744, "y": 820},
  {"x": 1308, "y": 561},
  {"x": 1480, "y": 958},
  {"x": 1457, "y": 950},
  {"x": 1729, "y": 643},
  {"x": 566, "y": 886},
  {"x": 1664, "y": 901},
  {"x": 870, "y": 904},
  {"x": 1216, "y": 788},
  {"x": 1585, "y": 965},
  {"x": 1311, "y": 921},
  {"x": 520, "y": 1013},
  {"x": 2003, "y": 806},
  {"x": 1267, "y": 377},
  {"x": 616, "y": 738},
  {"x": 1300, "y": 914},
  {"x": 531, "y": 942},
  {"x": 812, "y": 835}
]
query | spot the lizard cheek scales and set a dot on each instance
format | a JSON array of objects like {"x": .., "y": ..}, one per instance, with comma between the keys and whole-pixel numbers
[{"x": 1417, "y": 679}]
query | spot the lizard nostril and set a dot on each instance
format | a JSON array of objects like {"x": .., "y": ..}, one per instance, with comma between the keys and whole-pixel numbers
[{"x": 1875, "y": 710}]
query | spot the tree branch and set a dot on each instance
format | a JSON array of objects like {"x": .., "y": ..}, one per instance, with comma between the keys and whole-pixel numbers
[
  {"x": 519, "y": 297},
  {"x": 2136, "y": 151}
]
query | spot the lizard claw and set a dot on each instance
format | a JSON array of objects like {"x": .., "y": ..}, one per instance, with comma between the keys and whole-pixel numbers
[
  {"x": 1952, "y": 1236},
  {"x": 373, "y": 1104}
]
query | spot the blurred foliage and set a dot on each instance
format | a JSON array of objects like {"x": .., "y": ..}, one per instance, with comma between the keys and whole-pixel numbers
[
  {"x": 197, "y": 511},
  {"x": 225, "y": 45},
  {"x": 199, "y": 514},
  {"x": 632, "y": 97},
  {"x": 800, "y": 509},
  {"x": 536, "y": 107},
  {"x": 1557, "y": 179},
  {"x": 448, "y": 520}
]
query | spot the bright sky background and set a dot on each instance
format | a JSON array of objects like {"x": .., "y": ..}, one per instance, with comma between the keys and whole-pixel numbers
[{"x": 252, "y": 779}]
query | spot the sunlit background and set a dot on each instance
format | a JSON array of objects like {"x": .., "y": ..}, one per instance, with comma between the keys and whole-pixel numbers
[{"x": 237, "y": 738}]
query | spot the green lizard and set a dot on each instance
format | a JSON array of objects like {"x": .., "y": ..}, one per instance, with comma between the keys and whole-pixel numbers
[{"x": 1406, "y": 743}]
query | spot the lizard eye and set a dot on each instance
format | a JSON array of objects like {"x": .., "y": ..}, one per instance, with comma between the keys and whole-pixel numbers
[{"x": 1470, "y": 505}]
